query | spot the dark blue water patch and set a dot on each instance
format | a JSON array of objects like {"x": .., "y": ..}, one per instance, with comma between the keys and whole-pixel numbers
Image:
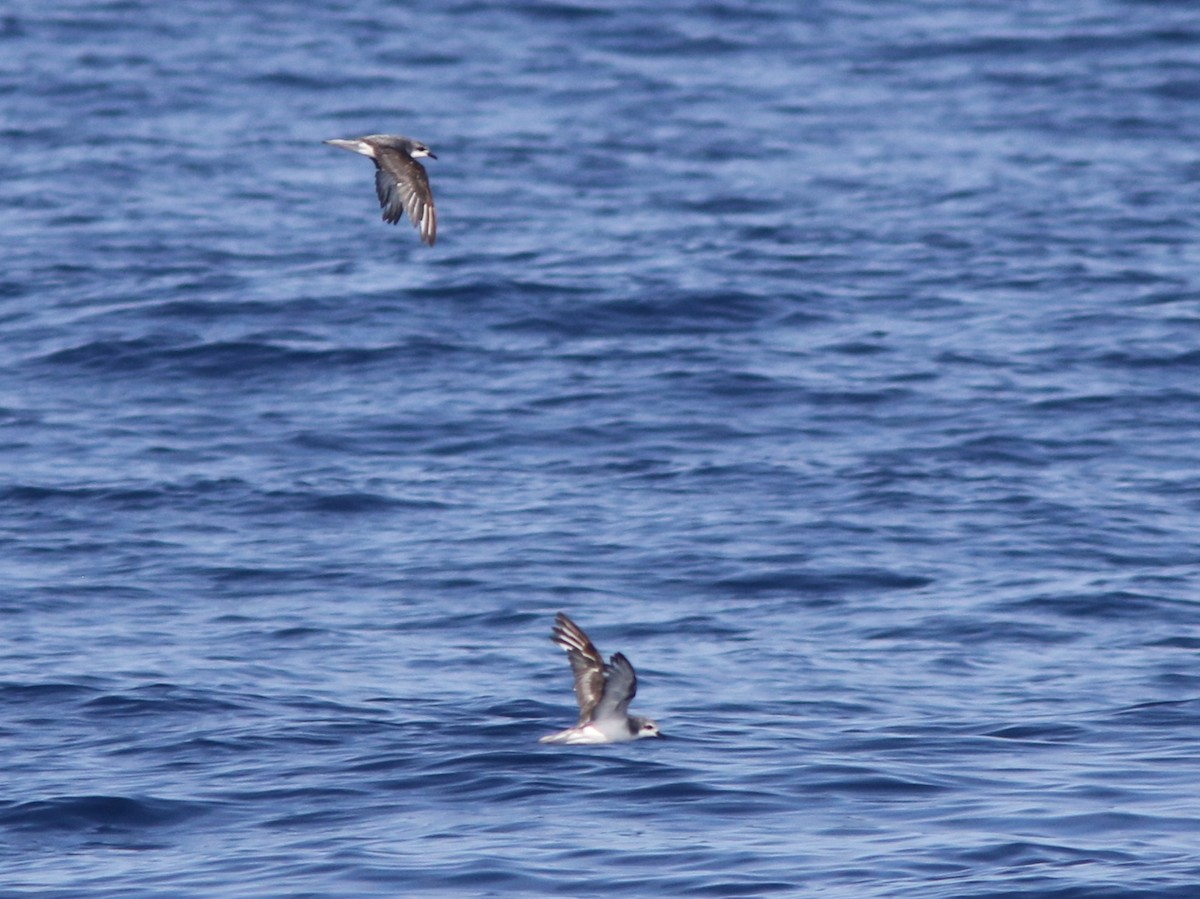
[
  {"x": 1183, "y": 89},
  {"x": 1115, "y": 605},
  {"x": 100, "y": 814},
  {"x": 1048, "y": 47},
  {"x": 862, "y": 782},
  {"x": 303, "y": 83},
  {"x": 205, "y": 309},
  {"x": 239, "y": 360},
  {"x": 157, "y": 700},
  {"x": 1047, "y": 888},
  {"x": 652, "y": 38},
  {"x": 33, "y": 695},
  {"x": 844, "y": 398},
  {"x": 1158, "y": 358},
  {"x": 1170, "y": 715},
  {"x": 973, "y": 630},
  {"x": 1125, "y": 405},
  {"x": 666, "y": 791},
  {"x": 74, "y": 497},
  {"x": 11, "y": 27},
  {"x": 1023, "y": 854},
  {"x": 563, "y": 12},
  {"x": 12, "y": 289},
  {"x": 474, "y": 291},
  {"x": 659, "y": 311},
  {"x": 346, "y": 503},
  {"x": 823, "y": 585},
  {"x": 1039, "y": 733},
  {"x": 725, "y": 205},
  {"x": 1181, "y": 641},
  {"x": 82, "y": 503},
  {"x": 985, "y": 452},
  {"x": 265, "y": 580}
]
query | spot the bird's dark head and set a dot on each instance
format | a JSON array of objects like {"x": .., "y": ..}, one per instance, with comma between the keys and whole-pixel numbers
[
  {"x": 645, "y": 728},
  {"x": 418, "y": 150},
  {"x": 407, "y": 145}
]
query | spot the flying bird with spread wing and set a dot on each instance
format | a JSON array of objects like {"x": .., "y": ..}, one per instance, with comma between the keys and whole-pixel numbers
[
  {"x": 603, "y": 692},
  {"x": 400, "y": 181}
]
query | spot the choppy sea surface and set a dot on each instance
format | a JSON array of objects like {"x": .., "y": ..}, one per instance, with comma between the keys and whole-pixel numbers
[{"x": 838, "y": 362}]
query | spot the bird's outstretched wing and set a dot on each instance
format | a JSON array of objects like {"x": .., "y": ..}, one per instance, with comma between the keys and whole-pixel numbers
[
  {"x": 403, "y": 186},
  {"x": 620, "y": 686},
  {"x": 586, "y": 664}
]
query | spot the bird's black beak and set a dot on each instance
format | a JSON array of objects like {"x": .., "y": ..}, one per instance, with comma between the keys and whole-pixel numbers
[{"x": 431, "y": 156}]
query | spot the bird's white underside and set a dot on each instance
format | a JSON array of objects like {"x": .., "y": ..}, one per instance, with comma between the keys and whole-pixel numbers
[{"x": 587, "y": 733}]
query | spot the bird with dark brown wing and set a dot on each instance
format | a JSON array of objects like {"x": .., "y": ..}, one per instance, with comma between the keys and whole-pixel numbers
[
  {"x": 602, "y": 690},
  {"x": 400, "y": 181}
]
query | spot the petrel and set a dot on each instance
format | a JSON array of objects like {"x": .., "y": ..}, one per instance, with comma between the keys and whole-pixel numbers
[
  {"x": 400, "y": 181},
  {"x": 603, "y": 692}
]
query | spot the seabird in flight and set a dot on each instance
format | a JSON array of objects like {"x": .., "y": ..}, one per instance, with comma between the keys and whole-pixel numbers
[
  {"x": 400, "y": 181},
  {"x": 603, "y": 692}
]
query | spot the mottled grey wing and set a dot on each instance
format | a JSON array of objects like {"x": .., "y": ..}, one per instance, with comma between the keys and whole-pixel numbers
[
  {"x": 586, "y": 664},
  {"x": 619, "y": 689},
  {"x": 403, "y": 186}
]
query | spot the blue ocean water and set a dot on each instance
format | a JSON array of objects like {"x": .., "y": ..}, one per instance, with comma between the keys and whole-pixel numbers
[{"x": 837, "y": 362}]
